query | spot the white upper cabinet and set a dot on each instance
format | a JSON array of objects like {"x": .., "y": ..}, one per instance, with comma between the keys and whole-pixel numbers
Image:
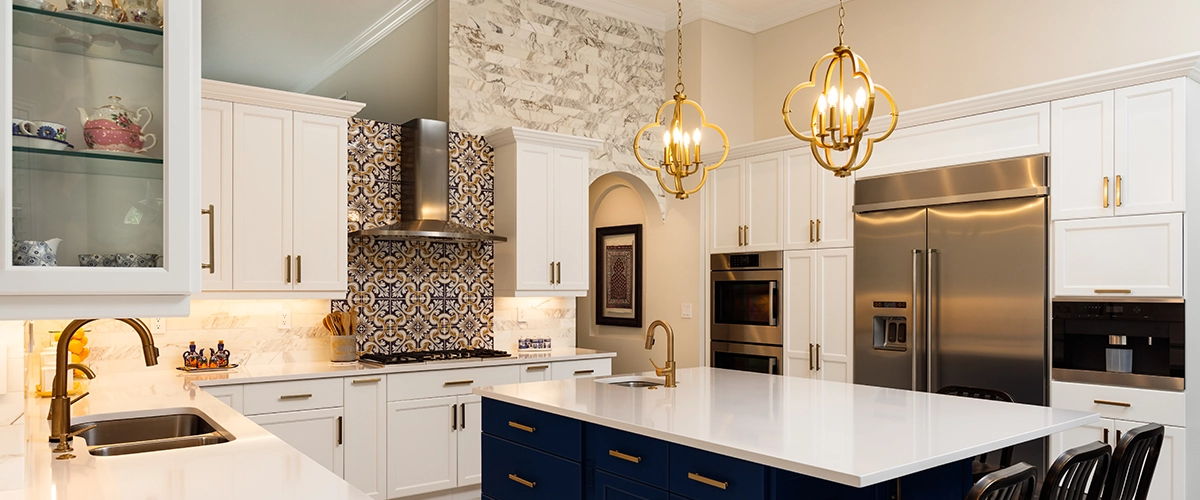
[
  {"x": 274, "y": 170},
  {"x": 1121, "y": 152},
  {"x": 819, "y": 314},
  {"x": 1137, "y": 256},
  {"x": 816, "y": 205},
  {"x": 541, "y": 207},
  {"x": 745, "y": 197}
]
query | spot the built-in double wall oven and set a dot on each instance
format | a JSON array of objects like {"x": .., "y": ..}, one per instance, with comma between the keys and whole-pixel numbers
[{"x": 746, "y": 328}]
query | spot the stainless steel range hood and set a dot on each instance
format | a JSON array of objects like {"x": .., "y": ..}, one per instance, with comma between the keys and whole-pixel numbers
[{"x": 425, "y": 189}]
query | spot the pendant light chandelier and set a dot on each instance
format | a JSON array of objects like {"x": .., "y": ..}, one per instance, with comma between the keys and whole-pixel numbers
[
  {"x": 841, "y": 113},
  {"x": 681, "y": 149}
]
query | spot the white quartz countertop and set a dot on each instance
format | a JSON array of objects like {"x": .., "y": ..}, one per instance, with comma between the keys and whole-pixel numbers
[
  {"x": 855, "y": 435},
  {"x": 255, "y": 465}
]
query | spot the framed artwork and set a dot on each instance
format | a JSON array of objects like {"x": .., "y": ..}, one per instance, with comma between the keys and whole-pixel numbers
[{"x": 619, "y": 275}]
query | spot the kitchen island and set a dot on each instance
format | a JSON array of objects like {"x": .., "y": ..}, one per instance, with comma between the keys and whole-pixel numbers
[{"x": 732, "y": 434}]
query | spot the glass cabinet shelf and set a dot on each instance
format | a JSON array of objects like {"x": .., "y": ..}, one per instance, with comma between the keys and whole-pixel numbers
[
  {"x": 89, "y": 36},
  {"x": 89, "y": 162}
]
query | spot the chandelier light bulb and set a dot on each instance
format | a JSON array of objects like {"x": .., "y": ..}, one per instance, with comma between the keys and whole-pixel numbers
[
  {"x": 667, "y": 138},
  {"x": 696, "y": 136},
  {"x": 833, "y": 96},
  {"x": 822, "y": 104},
  {"x": 687, "y": 139},
  {"x": 861, "y": 97}
]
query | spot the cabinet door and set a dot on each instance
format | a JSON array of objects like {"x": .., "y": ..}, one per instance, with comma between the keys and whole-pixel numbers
[
  {"x": 834, "y": 330},
  {"x": 1119, "y": 257},
  {"x": 799, "y": 313},
  {"x": 231, "y": 395},
  {"x": 725, "y": 191},
  {"x": 1170, "y": 474},
  {"x": 1103, "y": 430},
  {"x": 833, "y": 199},
  {"x": 1151, "y": 148},
  {"x": 470, "y": 455},
  {"x": 535, "y": 210},
  {"x": 535, "y": 373},
  {"x": 764, "y": 190},
  {"x": 799, "y": 205},
  {"x": 366, "y": 424},
  {"x": 422, "y": 446},
  {"x": 262, "y": 172},
  {"x": 216, "y": 191},
  {"x": 581, "y": 368},
  {"x": 319, "y": 210},
  {"x": 612, "y": 487},
  {"x": 570, "y": 211},
  {"x": 1081, "y": 145},
  {"x": 316, "y": 433}
]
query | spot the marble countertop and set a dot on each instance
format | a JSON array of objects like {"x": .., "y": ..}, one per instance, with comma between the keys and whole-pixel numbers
[
  {"x": 255, "y": 465},
  {"x": 855, "y": 435}
]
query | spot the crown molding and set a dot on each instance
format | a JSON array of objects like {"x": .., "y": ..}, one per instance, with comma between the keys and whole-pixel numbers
[
  {"x": 626, "y": 10},
  {"x": 693, "y": 10},
  {"x": 367, "y": 39},
  {"x": 788, "y": 12},
  {"x": 510, "y": 135},
  {"x": 271, "y": 98}
]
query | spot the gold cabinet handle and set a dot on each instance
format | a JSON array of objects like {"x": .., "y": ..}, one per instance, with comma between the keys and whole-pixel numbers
[
  {"x": 525, "y": 428},
  {"x": 551, "y": 273},
  {"x": 818, "y": 230},
  {"x": 299, "y": 269},
  {"x": 747, "y": 235},
  {"x": 558, "y": 271},
  {"x": 516, "y": 478},
  {"x": 810, "y": 357},
  {"x": 622, "y": 456},
  {"x": 212, "y": 246},
  {"x": 1106, "y": 290},
  {"x": 294, "y": 397},
  {"x": 739, "y": 236},
  {"x": 1112, "y": 403},
  {"x": 811, "y": 238},
  {"x": 458, "y": 382},
  {"x": 537, "y": 368},
  {"x": 1106, "y": 191},
  {"x": 362, "y": 381},
  {"x": 584, "y": 372},
  {"x": 287, "y": 266},
  {"x": 818, "y": 357},
  {"x": 1118, "y": 190},
  {"x": 454, "y": 417},
  {"x": 711, "y": 482}
]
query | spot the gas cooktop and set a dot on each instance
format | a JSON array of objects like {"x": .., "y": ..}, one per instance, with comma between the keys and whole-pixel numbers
[{"x": 431, "y": 356}]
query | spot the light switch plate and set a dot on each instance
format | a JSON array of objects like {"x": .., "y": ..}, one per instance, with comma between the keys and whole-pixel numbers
[
  {"x": 158, "y": 325},
  {"x": 685, "y": 311},
  {"x": 285, "y": 319}
]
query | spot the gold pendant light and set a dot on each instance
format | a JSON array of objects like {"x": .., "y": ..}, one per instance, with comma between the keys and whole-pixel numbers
[
  {"x": 681, "y": 149},
  {"x": 843, "y": 110}
]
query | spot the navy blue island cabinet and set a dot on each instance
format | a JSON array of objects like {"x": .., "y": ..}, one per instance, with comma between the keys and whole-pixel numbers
[{"x": 530, "y": 454}]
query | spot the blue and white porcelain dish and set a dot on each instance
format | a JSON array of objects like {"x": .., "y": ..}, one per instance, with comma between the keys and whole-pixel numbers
[
  {"x": 35, "y": 253},
  {"x": 25, "y": 141}
]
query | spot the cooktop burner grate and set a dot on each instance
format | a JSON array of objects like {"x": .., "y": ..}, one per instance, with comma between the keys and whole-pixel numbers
[{"x": 427, "y": 356}]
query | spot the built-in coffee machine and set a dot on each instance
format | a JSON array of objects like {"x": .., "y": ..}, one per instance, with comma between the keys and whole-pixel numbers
[{"x": 1132, "y": 344}]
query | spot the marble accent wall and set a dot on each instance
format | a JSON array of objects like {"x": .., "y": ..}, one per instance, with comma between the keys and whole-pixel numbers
[{"x": 550, "y": 66}]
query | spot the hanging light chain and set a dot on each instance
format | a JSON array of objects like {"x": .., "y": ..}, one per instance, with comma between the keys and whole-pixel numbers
[
  {"x": 841, "y": 22},
  {"x": 679, "y": 49}
]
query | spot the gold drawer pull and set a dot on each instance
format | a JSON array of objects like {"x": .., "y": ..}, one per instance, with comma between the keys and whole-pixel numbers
[
  {"x": 293, "y": 397},
  {"x": 622, "y": 456},
  {"x": 711, "y": 482},
  {"x": 1112, "y": 403},
  {"x": 514, "y": 477},
  {"x": 536, "y": 368},
  {"x": 458, "y": 382},
  {"x": 365, "y": 381},
  {"x": 1105, "y": 290},
  {"x": 584, "y": 372},
  {"x": 525, "y": 428}
]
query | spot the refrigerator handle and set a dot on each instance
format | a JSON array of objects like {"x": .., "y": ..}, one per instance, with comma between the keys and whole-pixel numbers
[
  {"x": 771, "y": 303},
  {"x": 916, "y": 294},
  {"x": 931, "y": 366}
]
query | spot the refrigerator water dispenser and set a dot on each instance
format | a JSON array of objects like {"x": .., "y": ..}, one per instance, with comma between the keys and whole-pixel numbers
[{"x": 891, "y": 333}]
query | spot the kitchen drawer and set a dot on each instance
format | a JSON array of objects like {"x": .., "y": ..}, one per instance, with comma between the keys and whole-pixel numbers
[
  {"x": 610, "y": 487},
  {"x": 456, "y": 382},
  {"x": 1145, "y": 405},
  {"x": 515, "y": 472},
  {"x": 703, "y": 475},
  {"x": 555, "y": 434},
  {"x": 536, "y": 372},
  {"x": 563, "y": 370},
  {"x": 630, "y": 455},
  {"x": 275, "y": 397}
]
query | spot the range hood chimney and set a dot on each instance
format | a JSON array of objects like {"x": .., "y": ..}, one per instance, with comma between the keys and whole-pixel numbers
[{"x": 425, "y": 189}]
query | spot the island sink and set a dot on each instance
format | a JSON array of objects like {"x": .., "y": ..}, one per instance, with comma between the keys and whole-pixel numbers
[
  {"x": 631, "y": 381},
  {"x": 122, "y": 436}
]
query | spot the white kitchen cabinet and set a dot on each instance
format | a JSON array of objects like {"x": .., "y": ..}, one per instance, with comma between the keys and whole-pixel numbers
[
  {"x": 541, "y": 207},
  {"x": 745, "y": 201},
  {"x": 1136, "y": 256},
  {"x": 816, "y": 205},
  {"x": 537, "y": 372},
  {"x": 470, "y": 440},
  {"x": 365, "y": 449},
  {"x": 422, "y": 446},
  {"x": 1081, "y": 152},
  {"x": 819, "y": 314},
  {"x": 275, "y": 172},
  {"x": 231, "y": 395},
  {"x": 1170, "y": 473},
  {"x": 563, "y": 370},
  {"x": 315, "y": 433}
]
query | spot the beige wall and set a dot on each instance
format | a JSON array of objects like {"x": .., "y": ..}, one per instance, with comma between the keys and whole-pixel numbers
[
  {"x": 670, "y": 276},
  {"x": 718, "y": 75},
  {"x": 933, "y": 51}
]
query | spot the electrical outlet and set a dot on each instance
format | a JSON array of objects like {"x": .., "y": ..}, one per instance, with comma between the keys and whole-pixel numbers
[
  {"x": 520, "y": 315},
  {"x": 285, "y": 319},
  {"x": 158, "y": 325},
  {"x": 685, "y": 311}
]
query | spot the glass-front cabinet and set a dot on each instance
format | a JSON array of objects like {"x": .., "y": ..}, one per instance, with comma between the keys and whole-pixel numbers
[{"x": 102, "y": 166}]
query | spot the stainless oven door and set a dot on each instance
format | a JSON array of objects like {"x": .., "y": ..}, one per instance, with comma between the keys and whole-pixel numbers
[
  {"x": 747, "y": 357},
  {"x": 746, "y": 306}
]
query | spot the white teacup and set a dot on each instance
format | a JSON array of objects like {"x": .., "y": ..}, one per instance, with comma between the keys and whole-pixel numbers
[
  {"x": 23, "y": 127},
  {"x": 48, "y": 130}
]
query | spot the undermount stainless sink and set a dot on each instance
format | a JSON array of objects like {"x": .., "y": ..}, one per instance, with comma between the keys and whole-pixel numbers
[
  {"x": 631, "y": 381},
  {"x": 122, "y": 436}
]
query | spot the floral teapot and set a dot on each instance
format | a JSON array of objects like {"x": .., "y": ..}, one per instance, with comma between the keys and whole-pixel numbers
[{"x": 113, "y": 127}]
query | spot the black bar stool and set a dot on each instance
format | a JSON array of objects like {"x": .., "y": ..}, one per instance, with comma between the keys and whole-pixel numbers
[
  {"x": 1011, "y": 483},
  {"x": 1078, "y": 474},
  {"x": 980, "y": 467},
  {"x": 1133, "y": 463}
]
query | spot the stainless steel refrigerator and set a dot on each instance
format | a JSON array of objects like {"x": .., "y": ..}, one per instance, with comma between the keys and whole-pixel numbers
[{"x": 950, "y": 281}]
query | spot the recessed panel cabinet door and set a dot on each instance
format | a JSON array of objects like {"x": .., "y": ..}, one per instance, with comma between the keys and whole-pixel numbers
[
  {"x": 262, "y": 159},
  {"x": 764, "y": 189},
  {"x": 799, "y": 313},
  {"x": 797, "y": 204},
  {"x": 1170, "y": 473},
  {"x": 1081, "y": 148},
  {"x": 725, "y": 188},
  {"x": 535, "y": 210},
  {"x": 216, "y": 190},
  {"x": 833, "y": 334},
  {"x": 570, "y": 212},
  {"x": 319, "y": 207},
  {"x": 363, "y": 435},
  {"x": 834, "y": 199},
  {"x": 1151, "y": 148},
  {"x": 470, "y": 456},
  {"x": 422, "y": 451},
  {"x": 1138, "y": 256},
  {"x": 315, "y": 433}
]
